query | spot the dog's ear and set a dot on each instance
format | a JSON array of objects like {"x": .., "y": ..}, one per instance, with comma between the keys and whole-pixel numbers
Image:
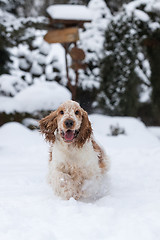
[
  {"x": 48, "y": 125},
  {"x": 85, "y": 130}
]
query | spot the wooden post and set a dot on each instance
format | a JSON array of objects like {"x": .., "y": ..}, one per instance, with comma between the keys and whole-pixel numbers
[
  {"x": 74, "y": 92},
  {"x": 65, "y": 45},
  {"x": 72, "y": 88},
  {"x": 66, "y": 37},
  {"x": 65, "y": 31}
]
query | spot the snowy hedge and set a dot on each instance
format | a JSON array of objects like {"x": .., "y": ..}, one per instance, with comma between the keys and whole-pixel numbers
[
  {"x": 122, "y": 54},
  {"x": 33, "y": 101},
  {"x": 38, "y": 61},
  {"x": 128, "y": 75}
]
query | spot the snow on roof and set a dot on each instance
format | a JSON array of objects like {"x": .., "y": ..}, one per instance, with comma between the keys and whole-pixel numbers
[{"x": 69, "y": 12}]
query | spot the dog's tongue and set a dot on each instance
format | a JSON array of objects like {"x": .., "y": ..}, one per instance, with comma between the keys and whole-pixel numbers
[{"x": 69, "y": 135}]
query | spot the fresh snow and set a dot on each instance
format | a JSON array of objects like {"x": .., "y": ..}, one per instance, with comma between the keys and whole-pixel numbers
[
  {"x": 36, "y": 69},
  {"x": 69, "y": 12},
  {"x": 155, "y": 131},
  {"x": 38, "y": 61},
  {"x": 131, "y": 209},
  {"x": 146, "y": 89},
  {"x": 9, "y": 84},
  {"x": 92, "y": 40},
  {"x": 151, "y": 6},
  {"x": 40, "y": 96},
  {"x": 141, "y": 15}
]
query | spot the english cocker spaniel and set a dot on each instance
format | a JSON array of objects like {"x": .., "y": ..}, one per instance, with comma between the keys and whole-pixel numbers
[{"x": 77, "y": 164}]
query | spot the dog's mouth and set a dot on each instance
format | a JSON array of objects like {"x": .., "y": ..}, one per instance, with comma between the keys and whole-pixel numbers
[{"x": 69, "y": 135}]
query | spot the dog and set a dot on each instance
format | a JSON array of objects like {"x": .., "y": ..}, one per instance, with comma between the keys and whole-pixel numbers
[{"x": 77, "y": 164}]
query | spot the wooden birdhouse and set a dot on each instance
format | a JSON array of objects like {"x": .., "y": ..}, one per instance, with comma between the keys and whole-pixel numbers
[
  {"x": 66, "y": 15},
  {"x": 65, "y": 21}
]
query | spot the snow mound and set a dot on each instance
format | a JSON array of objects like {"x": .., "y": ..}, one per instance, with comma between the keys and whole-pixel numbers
[
  {"x": 155, "y": 131},
  {"x": 40, "y": 96},
  {"x": 135, "y": 132},
  {"x": 17, "y": 134},
  {"x": 30, "y": 210}
]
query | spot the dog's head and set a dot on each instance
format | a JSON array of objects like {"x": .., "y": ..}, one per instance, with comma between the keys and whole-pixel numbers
[{"x": 70, "y": 122}]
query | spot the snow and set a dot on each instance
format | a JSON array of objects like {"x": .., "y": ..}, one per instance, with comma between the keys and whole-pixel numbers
[
  {"x": 150, "y": 6},
  {"x": 57, "y": 52},
  {"x": 135, "y": 136},
  {"x": 155, "y": 131},
  {"x": 154, "y": 26},
  {"x": 153, "y": 6},
  {"x": 131, "y": 210},
  {"x": 23, "y": 64},
  {"x": 44, "y": 48},
  {"x": 92, "y": 40},
  {"x": 36, "y": 69},
  {"x": 134, "y": 4},
  {"x": 69, "y": 12},
  {"x": 28, "y": 207},
  {"x": 141, "y": 15},
  {"x": 146, "y": 89},
  {"x": 37, "y": 97},
  {"x": 9, "y": 84},
  {"x": 28, "y": 65}
]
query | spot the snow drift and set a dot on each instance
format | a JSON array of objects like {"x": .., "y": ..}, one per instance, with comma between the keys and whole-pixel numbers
[
  {"x": 38, "y": 97},
  {"x": 131, "y": 210}
]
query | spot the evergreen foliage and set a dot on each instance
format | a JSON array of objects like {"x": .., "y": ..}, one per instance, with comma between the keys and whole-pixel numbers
[
  {"x": 126, "y": 73},
  {"x": 4, "y": 53},
  {"x": 153, "y": 51},
  {"x": 120, "y": 80},
  {"x": 4, "y": 58},
  {"x": 116, "y": 5},
  {"x": 14, "y": 30},
  {"x": 91, "y": 41}
]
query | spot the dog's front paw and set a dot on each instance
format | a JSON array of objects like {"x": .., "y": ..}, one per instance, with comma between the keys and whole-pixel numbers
[
  {"x": 69, "y": 187},
  {"x": 64, "y": 180}
]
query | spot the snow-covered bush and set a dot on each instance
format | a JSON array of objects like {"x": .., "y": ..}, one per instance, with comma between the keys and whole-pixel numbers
[
  {"x": 34, "y": 101},
  {"x": 27, "y": 60},
  {"x": 127, "y": 53},
  {"x": 41, "y": 96},
  {"x": 15, "y": 31},
  {"x": 4, "y": 41},
  {"x": 91, "y": 41},
  {"x": 116, "y": 130},
  {"x": 126, "y": 69},
  {"x": 39, "y": 61}
]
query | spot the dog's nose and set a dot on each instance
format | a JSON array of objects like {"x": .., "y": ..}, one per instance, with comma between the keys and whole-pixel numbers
[{"x": 69, "y": 123}]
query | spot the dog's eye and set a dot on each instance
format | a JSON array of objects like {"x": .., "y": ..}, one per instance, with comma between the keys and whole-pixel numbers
[
  {"x": 61, "y": 112},
  {"x": 77, "y": 112}
]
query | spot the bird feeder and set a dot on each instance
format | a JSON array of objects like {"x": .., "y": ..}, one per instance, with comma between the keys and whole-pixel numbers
[{"x": 65, "y": 21}]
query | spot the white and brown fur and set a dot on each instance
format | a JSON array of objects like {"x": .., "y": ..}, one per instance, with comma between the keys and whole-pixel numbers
[{"x": 73, "y": 164}]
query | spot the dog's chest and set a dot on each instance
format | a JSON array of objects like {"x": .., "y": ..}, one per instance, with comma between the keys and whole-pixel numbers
[{"x": 75, "y": 161}]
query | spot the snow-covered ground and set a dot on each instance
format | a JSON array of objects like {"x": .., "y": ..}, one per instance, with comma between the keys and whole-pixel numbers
[{"x": 131, "y": 210}]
